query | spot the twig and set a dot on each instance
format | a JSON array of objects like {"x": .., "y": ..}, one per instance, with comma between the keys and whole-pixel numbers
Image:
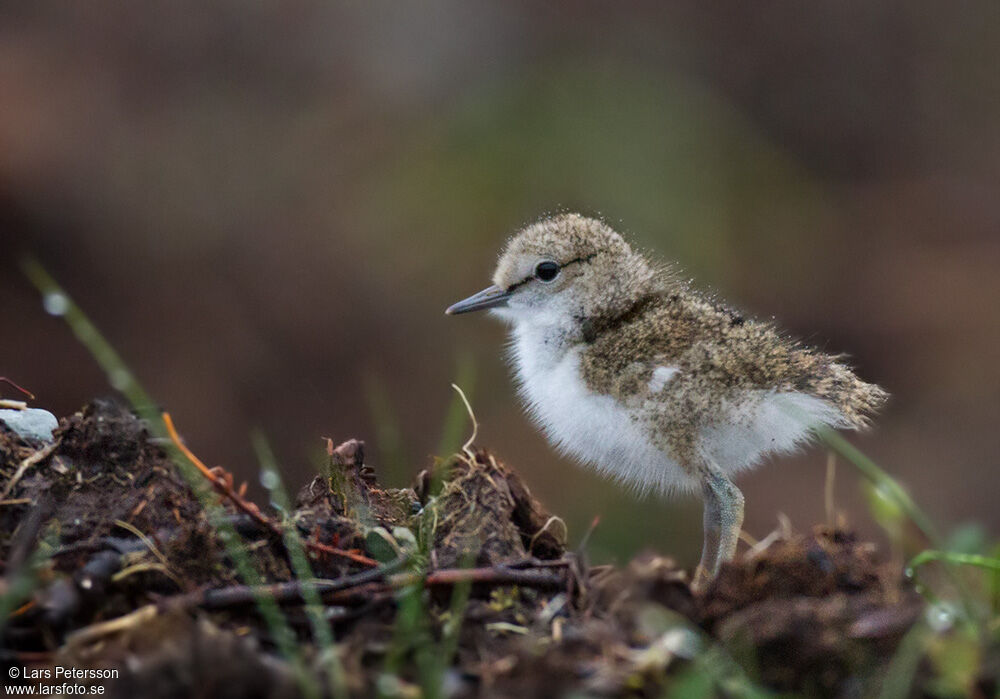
[
  {"x": 467, "y": 447},
  {"x": 342, "y": 553},
  {"x": 551, "y": 520},
  {"x": 145, "y": 540},
  {"x": 500, "y": 575},
  {"x": 38, "y": 456},
  {"x": 97, "y": 631},
  {"x": 146, "y": 567},
  {"x": 284, "y": 592},
  {"x": 222, "y": 481},
  {"x": 373, "y": 582},
  {"x": 19, "y": 388},
  {"x": 783, "y": 532},
  {"x": 531, "y": 562}
]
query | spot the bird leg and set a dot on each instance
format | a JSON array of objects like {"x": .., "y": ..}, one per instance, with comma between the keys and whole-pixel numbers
[{"x": 723, "y": 521}]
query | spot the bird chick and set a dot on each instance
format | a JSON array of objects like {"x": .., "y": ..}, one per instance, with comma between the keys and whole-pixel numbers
[{"x": 627, "y": 369}]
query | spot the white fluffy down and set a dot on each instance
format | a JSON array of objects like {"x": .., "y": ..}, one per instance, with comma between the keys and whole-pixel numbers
[
  {"x": 592, "y": 428},
  {"x": 768, "y": 423},
  {"x": 597, "y": 430},
  {"x": 661, "y": 377}
]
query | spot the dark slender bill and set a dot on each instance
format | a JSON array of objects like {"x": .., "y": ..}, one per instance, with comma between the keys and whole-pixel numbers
[{"x": 490, "y": 297}]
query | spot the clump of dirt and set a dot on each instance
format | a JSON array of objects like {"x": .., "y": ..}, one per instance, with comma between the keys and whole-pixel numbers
[
  {"x": 814, "y": 611},
  {"x": 129, "y": 572},
  {"x": 103, "y": 471},
  {"x": 821, "y": 599},
  {"x": 486, "y": 511},
  {"x": 340, "y": 505},
  {"x": 177, "y": 655}
]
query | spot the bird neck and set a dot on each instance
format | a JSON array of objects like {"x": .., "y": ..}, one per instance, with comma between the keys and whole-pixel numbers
[
  {"x": 595, "y": 326},
  {"x": 627, "y": 292},
  {"x": 549, "y": 336}
]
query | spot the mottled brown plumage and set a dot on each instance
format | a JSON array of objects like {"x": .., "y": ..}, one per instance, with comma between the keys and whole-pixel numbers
[
  {"x": 719, "y": 354},
  {"x": 628, "y": 368}
]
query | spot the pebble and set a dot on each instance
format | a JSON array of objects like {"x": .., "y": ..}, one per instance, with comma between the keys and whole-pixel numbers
[{"x": 31, "y": 423}]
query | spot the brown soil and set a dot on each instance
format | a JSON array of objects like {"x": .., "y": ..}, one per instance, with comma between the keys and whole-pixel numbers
[{"x": 816, "y": 614}]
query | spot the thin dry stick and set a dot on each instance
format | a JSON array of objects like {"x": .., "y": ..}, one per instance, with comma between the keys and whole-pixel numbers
[
  {"x": 94, "y": 632},
  {"x": 500, "y": 575},
  {"x": 763, "y": 545},
  {"x": 144, "y": 568},
  {"x": 782, "y": 532},
  {"x": 19, "y": 388},
  {"x": 373, "y": 583},
  {"x": 551, "y": 520},
  {"x": 283, "y": 592},
  {"x": 466, "y": 448},
  {"x": 147, "y": 542},
  {"x": 39, "y": 455}
]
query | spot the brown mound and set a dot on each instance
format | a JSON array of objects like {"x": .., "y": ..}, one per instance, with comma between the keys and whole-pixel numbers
[
  {"x": 486, "y": 511},
  {"x": 815, "y": 614}
]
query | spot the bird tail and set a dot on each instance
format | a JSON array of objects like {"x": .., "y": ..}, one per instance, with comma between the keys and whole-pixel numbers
[{"x": 857, "y": 400}]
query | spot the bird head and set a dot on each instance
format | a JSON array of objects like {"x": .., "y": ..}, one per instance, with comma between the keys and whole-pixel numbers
[{"x": 563, "y": 269}]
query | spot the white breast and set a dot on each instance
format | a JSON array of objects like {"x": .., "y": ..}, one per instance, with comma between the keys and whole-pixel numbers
[
  {"x": 597, "y": 430},
  {"x": 593, "y": 428}
]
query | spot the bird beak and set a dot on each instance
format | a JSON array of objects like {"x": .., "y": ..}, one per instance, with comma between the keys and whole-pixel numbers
[{"x": 490, "y": 297}]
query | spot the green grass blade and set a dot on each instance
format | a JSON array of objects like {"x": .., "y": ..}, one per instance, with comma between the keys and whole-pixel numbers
[
  {"x": 953, "y": 557},
  {"x": 898, "y": 679},
  {"x": 411, "y": 634},
  {"x": 874, "y": 473},
  {"x": 450, "y": 632},
  {"x": 388, "y": 435},
  {"x": 300, "y": 563},
  {"x": 59, "y": 303}
]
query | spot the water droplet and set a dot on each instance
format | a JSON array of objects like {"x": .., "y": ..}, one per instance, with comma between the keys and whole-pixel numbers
[
  {"x": 55, "y": 303},
  {"x": 941, "y": 616},
  {"x": 269, "y": 479},
  {"x": 120, "y": 379}
]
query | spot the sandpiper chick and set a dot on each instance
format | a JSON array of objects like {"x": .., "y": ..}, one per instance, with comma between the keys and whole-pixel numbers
[{"x": 626, "y": 368}]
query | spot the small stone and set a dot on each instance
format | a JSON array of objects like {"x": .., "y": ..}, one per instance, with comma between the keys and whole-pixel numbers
[{"x": 32, "y": 423}]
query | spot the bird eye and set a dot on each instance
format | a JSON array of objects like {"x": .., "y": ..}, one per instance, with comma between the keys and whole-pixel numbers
[{"x": 546, "y": 271}]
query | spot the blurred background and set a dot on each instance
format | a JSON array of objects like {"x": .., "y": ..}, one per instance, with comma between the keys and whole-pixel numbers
[{"x": 267, "y": 206}]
